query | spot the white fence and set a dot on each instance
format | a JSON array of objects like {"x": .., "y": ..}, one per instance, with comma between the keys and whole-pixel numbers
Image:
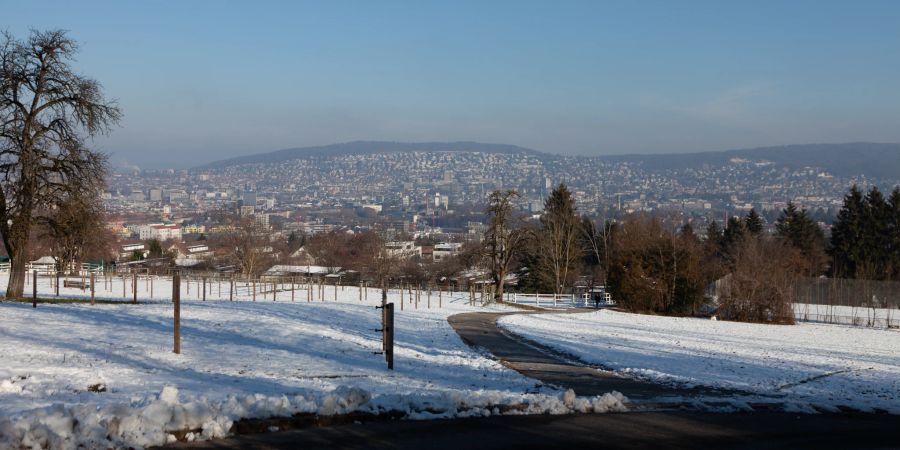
[
  {"x": 50, "y": 269},
  {"x": 886, "y": 317},
  {"x": 559, "y": 300}
]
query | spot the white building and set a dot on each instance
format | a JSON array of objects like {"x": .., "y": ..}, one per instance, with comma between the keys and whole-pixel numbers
[
  {"x": 312, "y": 228},
  {"x": 160, "y": 232},
  {"x": 262, "y": 220},
  {"x": 190, "y": 254},
  {"x": 403, "y": 249},
  {"x": 445, "y": 250}
]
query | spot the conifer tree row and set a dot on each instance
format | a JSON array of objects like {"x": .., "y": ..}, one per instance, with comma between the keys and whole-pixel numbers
[{"x": 865, "y": 239}]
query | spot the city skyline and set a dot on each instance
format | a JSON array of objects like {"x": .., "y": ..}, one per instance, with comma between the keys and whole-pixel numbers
[{"x": 202, "y": 81}]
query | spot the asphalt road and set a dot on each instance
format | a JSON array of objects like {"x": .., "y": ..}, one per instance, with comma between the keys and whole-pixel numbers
[
  {"x": 648, "y": 428},
  {"x": 675, "y": 430}
]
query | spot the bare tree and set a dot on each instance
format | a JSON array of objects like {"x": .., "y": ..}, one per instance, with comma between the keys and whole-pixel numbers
[
  {"x": 503, "y": 239},
  {"x": 47, "y": 112},
  {"x": 362, "y": 252},
  {"x": 73, "y": 227},
  {"x": 596, "y": 239},
  {"x": 249, "y": 244},
  {"x": 653, "y": 269},
  {"x": 330, "y": 249},
  {"x": 761, "y": 285}
]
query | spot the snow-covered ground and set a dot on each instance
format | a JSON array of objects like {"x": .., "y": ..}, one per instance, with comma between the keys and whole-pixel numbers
[
  {"x": 240, "y": 359},
  {"x": 820, "y": 365}
]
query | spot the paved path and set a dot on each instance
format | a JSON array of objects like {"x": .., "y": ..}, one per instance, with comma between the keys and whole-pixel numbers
[{"x": 545, "y": 364}]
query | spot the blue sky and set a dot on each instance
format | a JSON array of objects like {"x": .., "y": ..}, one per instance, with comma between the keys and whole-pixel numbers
[{"x": 200, "y": 81}]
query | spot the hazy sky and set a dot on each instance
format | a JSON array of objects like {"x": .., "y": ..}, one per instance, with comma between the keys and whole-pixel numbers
[{"x": 200, "y": 81}]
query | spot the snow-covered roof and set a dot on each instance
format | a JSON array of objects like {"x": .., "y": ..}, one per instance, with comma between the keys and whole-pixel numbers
[
  {"x": 283, "y": 269},
  {"x": 45, "y": 260},
  {"x": 186, "y": 262}
]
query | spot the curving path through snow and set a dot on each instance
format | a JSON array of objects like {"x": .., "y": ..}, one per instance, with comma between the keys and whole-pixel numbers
[{"x": 534, "y": 360}]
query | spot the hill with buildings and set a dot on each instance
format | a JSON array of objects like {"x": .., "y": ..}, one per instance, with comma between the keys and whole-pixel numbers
[
  {"x": 368, "y": 148},
  {"x": 872, "y": 160}
]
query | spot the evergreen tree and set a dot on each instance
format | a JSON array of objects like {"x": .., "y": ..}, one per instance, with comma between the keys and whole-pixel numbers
[
  {"x": 558, "y": 241},
  {"x": 733, "y": 235},
  {"x": 753, "y": 223},
  {"x": 846, "y": 235},
  {"x": 155, "y": 248},
  {"x": 894, "y": 233},
  {"x": 799, "y": 231},
  {"x": 714, "y": 239},
  {"x": 687, "y": 230},
  {"x": 714, "y": 232},
  {"x": 876, "y": 234}
]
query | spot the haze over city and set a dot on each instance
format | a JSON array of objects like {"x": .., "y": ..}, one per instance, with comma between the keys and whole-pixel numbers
[{"x": 201, "y": 81}]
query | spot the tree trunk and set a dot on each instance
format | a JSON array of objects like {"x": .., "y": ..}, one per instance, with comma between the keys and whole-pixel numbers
[
  {"x": 16, "y": 286},
  {"x": 498, "y": 293}
]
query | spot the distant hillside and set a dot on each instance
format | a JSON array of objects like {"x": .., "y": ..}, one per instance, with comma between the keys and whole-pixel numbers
[
  {"x": 860, "y": 158},
  {"x": 870, "y": 159},
  {"x": 366, "y": 148}
]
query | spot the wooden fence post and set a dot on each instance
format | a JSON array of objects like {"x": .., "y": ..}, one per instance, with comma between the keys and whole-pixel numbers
[
  {"x": 204, "y": 289},
  {"x": 176, "y": 298},
  {"x": 92, "y": 287},
  {"x": 34, "y": 289},
  {"x": 389, "y": 335},
  {"x": 134, "y": 287}
]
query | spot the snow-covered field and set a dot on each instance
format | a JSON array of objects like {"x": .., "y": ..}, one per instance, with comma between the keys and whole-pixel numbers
[
  {"x": 240, "y": 359},
  {"x": 820, "y": 365}
]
